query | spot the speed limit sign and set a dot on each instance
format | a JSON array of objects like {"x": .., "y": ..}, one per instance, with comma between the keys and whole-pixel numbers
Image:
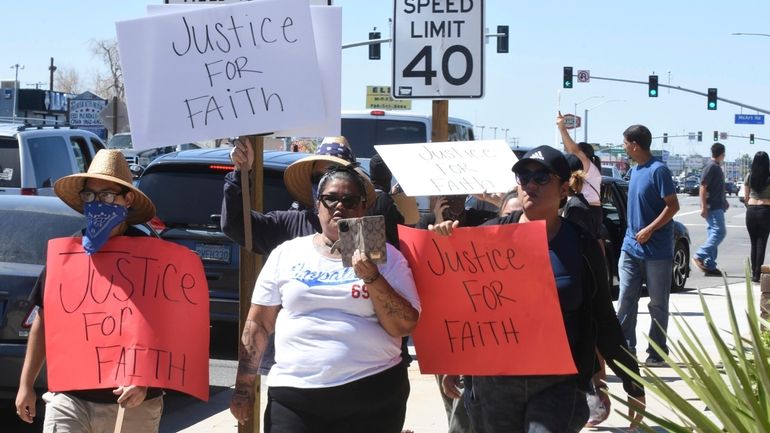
[{"x": 438, "y": 49}]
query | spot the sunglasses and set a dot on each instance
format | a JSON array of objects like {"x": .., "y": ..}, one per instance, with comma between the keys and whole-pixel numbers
[
  {"x": 330, "y": 201},
  {"x": 103, "y": 196},
  {"x": 541, "y": 177}
]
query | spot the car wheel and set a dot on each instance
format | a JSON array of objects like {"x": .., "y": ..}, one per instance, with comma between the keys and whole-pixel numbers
[{"x": 680, "y": 267}]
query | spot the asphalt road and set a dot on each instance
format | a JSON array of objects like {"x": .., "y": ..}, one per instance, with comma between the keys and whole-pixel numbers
[{"x": 732, "y": 254}]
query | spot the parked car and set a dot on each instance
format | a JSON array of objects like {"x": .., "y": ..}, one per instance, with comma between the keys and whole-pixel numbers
[
  {"x": 611, "y": 171},
  {"x": 731, "y": 188},
  {"x": 614, "y": 205},
  {"x": 33, "y": 158},
  {"x": 123, "y": 142},
  {"x": 740, "y": 192},
  {"x": 614, "y": 198},
  {"x": 26, "y": 225},
  {"x": 186, "y": 188},
  {"x": 366, "y": 128}
]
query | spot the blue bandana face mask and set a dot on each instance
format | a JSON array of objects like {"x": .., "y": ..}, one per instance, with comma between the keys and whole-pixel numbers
[{"x": 101, "y": 218}]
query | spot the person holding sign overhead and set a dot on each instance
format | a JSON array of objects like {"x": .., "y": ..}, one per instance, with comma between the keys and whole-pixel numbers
[
  {"x": 111, "y": 205},
  {"x": 555, "y": 403},
  {"x": 337, "y": 330}
]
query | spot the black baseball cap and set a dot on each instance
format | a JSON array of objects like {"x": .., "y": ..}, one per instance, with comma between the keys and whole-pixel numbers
[{"x": 549, "y": 158}]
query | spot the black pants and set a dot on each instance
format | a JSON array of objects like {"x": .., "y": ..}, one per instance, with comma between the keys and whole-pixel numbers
[
  {"x": 374, "y": 404},
  {"x": 758, "y": 225}
]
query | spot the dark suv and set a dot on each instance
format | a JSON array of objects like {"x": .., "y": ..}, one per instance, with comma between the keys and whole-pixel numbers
[
  {"x": 26, "y": 225},
  {"x": 186, "y": 188}
]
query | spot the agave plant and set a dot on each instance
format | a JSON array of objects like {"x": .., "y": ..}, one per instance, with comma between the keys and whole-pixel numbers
[{"x": 735, "y": 386}]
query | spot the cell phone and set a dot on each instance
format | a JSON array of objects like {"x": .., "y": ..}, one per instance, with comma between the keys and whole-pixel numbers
[{"x": 366, "y": 234}]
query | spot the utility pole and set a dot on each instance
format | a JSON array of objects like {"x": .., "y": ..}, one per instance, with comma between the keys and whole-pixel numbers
[
  {"x": 51, "y": 68},
  {"x": 16, "y": 87},
  {"x": 481, "y": 127}
]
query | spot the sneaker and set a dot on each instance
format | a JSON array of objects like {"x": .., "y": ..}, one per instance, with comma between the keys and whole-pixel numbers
[
  {"x": 713, "y": 273},
  {"x": 699, "y": 263},
  {"x": 654, "y": 361}
]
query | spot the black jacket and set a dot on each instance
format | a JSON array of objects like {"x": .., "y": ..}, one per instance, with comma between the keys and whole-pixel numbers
[
  {"x": 268, "y": 229},
  {"x": 599, "y": 324}
]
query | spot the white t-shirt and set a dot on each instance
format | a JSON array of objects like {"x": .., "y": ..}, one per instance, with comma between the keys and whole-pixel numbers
[{"x": 327, "y": 333}]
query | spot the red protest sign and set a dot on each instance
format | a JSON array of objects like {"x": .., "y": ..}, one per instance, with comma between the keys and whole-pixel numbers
[
  {"x": 489, "y": 301},
  {"x": 135, "y": 313}
]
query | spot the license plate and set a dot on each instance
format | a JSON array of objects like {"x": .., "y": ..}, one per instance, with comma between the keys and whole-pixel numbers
[{"x": 213, "y": 253}]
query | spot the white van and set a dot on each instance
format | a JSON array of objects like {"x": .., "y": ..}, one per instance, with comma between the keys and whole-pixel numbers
[{"x": 366, "y": 128}]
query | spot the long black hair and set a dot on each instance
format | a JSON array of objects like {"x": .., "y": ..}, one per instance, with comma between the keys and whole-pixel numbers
[
  {"x": 760, "y": 172},
  {"x": 588, "y": 151}
]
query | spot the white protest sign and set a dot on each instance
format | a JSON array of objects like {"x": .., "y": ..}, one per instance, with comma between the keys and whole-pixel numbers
[
  {"x": 206, "y": 73},
  {"x": 327, "y": 30},
  {"x": 327, "y": 27},
  {"x": 450, "y": 168}
]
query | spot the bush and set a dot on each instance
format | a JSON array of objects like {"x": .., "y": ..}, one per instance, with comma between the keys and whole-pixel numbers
[{"x": 735, "y": 386}]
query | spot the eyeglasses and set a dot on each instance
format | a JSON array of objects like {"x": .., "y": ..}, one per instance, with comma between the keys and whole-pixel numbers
[
  {"x": 330, "y": 201},
  {"x": 103, "y": 196},
  {"x": 541, "y": 177}
]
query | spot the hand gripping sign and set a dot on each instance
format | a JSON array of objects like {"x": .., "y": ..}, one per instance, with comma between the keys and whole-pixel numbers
[
  {"x": 489, "y": 301},
  {"x": 135, "y": 313}
]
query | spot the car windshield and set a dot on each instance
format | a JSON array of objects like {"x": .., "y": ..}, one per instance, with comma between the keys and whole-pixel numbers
[
  {"x": 189, "y": 195},
  {"x": 120, "y": 142},
  {"x": 25, "y": 233},
  {"x": 364, "y": 134}
]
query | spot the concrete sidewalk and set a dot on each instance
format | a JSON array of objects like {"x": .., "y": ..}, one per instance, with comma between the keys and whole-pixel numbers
[{"x": 425, "y": 412}]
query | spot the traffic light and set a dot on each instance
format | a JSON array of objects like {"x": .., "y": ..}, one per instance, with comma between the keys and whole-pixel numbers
[
  {"x": 700, "y": 136},
  {"x": 665, "y": 138},
  {"x": 751, "y": 138},
  {"x": 374, "y": 49},
  {"x": 567, "y": 77},
  {"x": 712, "y": 99},
  {"x": 716, "y": 135},
  {"x": 502, "y": 41},
  {"x": 652, "y": 85}
]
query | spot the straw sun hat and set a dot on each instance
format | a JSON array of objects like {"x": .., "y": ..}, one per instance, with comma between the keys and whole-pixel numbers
[
  {"x": 107, "y": 165},
  {"x": 335, "y": 150}
]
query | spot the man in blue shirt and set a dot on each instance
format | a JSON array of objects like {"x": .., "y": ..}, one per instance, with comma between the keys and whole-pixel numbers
[
  {"x": 648, "y": 246},
  {"x": 713, "y": 205}
]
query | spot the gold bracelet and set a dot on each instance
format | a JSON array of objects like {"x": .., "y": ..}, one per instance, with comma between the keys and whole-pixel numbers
[{"x": 371, "y": 280}]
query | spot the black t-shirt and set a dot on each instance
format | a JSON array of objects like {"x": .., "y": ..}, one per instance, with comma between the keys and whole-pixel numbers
[
  {"x": 94, "y": 395},
  {"x": 714, "y": 179}
]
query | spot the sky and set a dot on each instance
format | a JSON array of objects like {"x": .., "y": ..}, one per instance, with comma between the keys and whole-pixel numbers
[{"x": 686, "y": 44}]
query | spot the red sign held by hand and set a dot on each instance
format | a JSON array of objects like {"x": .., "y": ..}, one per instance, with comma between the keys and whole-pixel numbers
[
  {"x": 135, "y": 313},
  {"x": 489, "y": 301}
]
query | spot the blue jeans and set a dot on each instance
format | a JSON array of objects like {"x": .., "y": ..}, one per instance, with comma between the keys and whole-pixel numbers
[
  {"x": 657, "y": 274},
  {"x": 531, "y": 404},
  {"x": 716, "y": 231}
]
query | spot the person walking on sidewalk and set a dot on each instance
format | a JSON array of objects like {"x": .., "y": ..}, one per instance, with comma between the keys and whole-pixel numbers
[
  {"x": 112, "y": 205},
  {"x": 337, "y": 329},
  {"x": 550, "y": 404},
  {"x": 713, "y": 205},
  {"x": 648, "y": 245},
  {"x": 757, "y": 198}
]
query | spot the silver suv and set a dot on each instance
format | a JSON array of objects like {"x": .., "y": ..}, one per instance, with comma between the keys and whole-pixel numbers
[{"x": 32, "y": 158}]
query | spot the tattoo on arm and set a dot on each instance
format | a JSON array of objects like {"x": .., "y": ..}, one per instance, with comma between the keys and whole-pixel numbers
[
  {"x": 253, "y": 342},
  {"x": 395, "y": 305}
]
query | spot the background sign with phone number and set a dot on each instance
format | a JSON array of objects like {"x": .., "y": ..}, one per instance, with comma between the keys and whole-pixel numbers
[{"x": 438, "y": 49}]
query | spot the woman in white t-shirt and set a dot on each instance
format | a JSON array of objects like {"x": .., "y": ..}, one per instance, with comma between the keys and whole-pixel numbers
[{"x": 337, "y": 330}]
